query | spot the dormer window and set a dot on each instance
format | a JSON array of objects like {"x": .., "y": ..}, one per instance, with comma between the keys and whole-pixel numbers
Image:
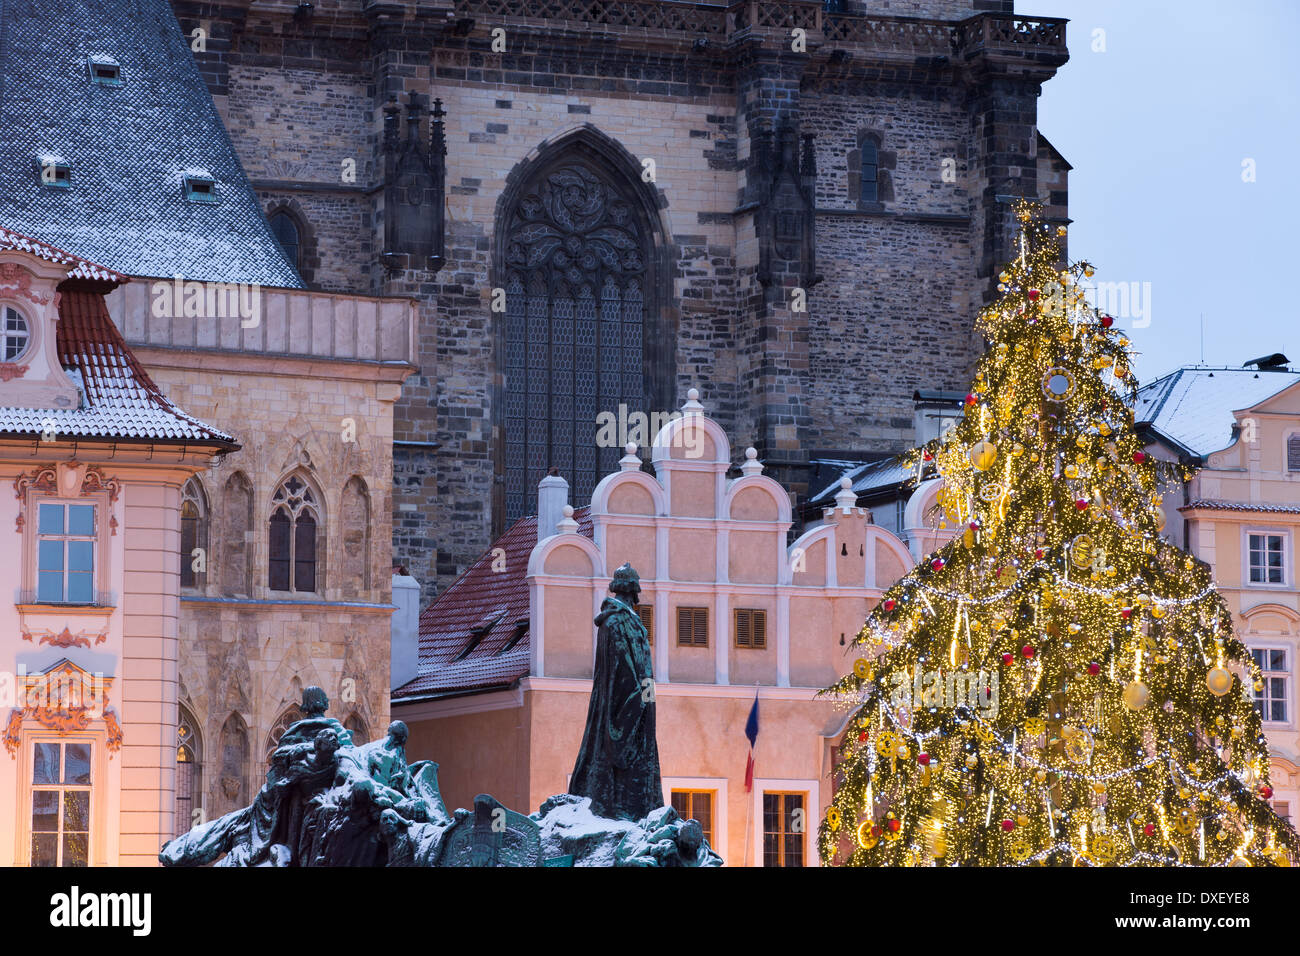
[
  {"x": 55, "y": 171},
  {"x": 200, "y": 188},
  {"x": 15, "y": 335},
  {"x": 105, "y": 71}
]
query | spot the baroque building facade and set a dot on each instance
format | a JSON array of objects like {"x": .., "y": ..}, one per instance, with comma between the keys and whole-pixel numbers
[
  {"x": 598, "y": 208},
  {"x": 251, "y": 558}
]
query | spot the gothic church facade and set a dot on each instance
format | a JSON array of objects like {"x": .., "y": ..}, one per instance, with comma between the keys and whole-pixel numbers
[{"x": 794, "y": 208}]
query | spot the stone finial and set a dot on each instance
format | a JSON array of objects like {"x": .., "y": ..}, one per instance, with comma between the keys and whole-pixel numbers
[
  {"x": 845, "y": 499},
  {"x": 630, "y": 461},
  {"x": 693, "y": 402},
  {"x": 566, "y": 525},
  {"x": 752, "y": 465}
]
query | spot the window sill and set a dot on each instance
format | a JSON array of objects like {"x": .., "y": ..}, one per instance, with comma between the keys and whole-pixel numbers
[{"x": 103, "y": 610}]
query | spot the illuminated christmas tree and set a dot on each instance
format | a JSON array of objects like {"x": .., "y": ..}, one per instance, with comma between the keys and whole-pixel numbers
[{"x": 1058, "y": 685}]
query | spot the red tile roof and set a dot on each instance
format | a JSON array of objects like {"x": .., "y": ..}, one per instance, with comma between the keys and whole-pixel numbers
[
  {"x": 492, "y": 603},
  {"x": 121, "y": 400}
]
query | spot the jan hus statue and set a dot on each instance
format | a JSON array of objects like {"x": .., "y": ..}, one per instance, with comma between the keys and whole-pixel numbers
[{"x": 618, "y": 765}]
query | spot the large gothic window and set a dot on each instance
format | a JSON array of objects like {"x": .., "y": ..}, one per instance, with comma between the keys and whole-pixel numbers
[
  {"x": 578, "y": 305},
  {"x": 194, "y": 535},
  {"x": 189, "y": 773}
]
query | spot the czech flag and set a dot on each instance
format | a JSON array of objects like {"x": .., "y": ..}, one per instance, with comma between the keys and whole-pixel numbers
[{"x": 751, "y": 731}]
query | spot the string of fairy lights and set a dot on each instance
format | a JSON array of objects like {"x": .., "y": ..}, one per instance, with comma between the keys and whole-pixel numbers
[{"x": 1057, "y": 685}]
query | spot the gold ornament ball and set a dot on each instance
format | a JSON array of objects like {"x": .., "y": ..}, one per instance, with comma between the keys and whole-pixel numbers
[
  {"x": 983, "y": 454},
  {"x": 971, "y": 761},
  {"x": 1071, "y": 471},
  {"x": 1219, "y": 681},
  {"x": 1136, "y": 695}
]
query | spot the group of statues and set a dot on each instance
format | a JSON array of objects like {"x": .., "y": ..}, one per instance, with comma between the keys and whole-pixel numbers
[{"x": 328, "y": 802}]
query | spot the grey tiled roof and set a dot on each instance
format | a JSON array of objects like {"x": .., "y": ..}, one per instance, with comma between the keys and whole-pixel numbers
[
  {"x": 129, "y": 146},
  {"x": 1194, "y": 406},
  {"x": 866, "y": 478}
]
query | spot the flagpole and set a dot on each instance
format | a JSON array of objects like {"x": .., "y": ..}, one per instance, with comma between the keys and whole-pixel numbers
[
  {"x": 749, "y": 814},
  {"x": 749, "y": 793}
]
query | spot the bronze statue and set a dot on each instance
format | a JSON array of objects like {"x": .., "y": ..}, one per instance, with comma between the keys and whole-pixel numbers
[{"x": 618, "y": 765}]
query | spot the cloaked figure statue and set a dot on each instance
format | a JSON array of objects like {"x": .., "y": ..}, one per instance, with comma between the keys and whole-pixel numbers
[{"x": 618, "y": 765}]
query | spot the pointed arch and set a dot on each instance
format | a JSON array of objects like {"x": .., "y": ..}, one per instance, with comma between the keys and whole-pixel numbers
[
  {"x": 288, "y": 717},
  {"x": 584, "y": 253},
  {"x": 237, "y": 536},
  {"x": 232, "y": 775},
  {"x": 293, "y": 230},
  {"x": 189, "y": 771},
  {"x": 194, "y": 534},
  {"x": 354, "y": 525},
  {"x": 296, "y": 535}
]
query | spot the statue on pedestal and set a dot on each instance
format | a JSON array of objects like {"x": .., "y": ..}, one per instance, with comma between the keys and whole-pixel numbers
[{"x": 618, "y": 765}]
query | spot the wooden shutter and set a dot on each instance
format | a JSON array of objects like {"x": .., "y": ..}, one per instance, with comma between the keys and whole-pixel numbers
[
  {"x": 647, "y": 614},
  {"x": 693, "y": 627},
  {"x": 751, "y": 627}
]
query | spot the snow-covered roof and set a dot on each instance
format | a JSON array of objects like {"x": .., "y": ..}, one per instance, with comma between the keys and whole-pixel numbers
[
  {"x": 1193, "y": 406},
  {"x": 866, "y": 478},
  {"x": 128, "y": 146},
  {"x": 119, "y": 399}
]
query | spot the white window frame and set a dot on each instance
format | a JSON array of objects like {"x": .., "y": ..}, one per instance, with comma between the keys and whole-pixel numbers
[
  {"x": 719, "y": 787},
  {"x": 94, "y": 537},
  {"x": 4, "y": 332},
  {"x": 811, "y": 789},
  {"x": 1285, "y": 535},
  {"x": 95, "y": 855},
  {"x": 1289, "y": 689}
]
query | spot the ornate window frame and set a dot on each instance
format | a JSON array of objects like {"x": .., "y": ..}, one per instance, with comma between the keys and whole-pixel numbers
[
  {"x": 295, "y": 505},
  {"x": 67, "y": 483}
]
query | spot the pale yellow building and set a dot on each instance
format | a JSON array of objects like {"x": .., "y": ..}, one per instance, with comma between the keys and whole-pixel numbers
[{"x": 1241, "y": 514}]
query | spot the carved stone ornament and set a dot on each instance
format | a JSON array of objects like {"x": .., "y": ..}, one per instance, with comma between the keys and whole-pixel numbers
[
  {"x": 66, "y": 638},
  {"x": 66, "y": 699},
  {"x": 14, "y": 276},
  {"x": 12, "y": 370},
  {"x": 69, "y": 479}
]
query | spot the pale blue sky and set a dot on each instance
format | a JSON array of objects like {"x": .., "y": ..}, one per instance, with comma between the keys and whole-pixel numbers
[{"x": 1156, "y": 128}]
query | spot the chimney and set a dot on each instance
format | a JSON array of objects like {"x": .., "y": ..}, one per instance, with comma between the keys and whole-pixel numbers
[
  {"x": 552, "y": 496},
  {"x": 405, "y": 652}
]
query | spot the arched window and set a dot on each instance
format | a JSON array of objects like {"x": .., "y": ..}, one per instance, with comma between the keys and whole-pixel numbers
[
  {"x": 357, "y": 727},
  {"x": 286, "y": 720},
  {"x": 233, "y": 778},
  {"x": 581, "y": 336},
  {"x": 194, "y": 535},
  {"x": 14, "y": 335},
  {"x": 236, "y": 535},
  {"x": 189, "y": 772},
  {"x": 870, "y": 191},
  {"x": 295, "y": 526},
  {"x": 287, "y": 233},
  {"x": 354, "y": 520}
]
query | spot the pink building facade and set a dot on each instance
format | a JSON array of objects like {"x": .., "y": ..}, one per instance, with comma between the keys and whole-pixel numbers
[{"x": 734, "y": 611}]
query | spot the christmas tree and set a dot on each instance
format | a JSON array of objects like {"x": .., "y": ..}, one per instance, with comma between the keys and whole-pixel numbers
[{"x": 1057, "y": 685}]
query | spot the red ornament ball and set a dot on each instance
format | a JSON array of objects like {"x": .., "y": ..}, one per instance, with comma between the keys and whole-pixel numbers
[
  {"x": 974, "y": 525},
  {"x": 1033, "y": 295},
  {"x": 1266, "y": 791},
  {"x": 937, "y": 563},
  {"x": 894, "y": 825},
  {"x": 1126, "y": 613},
  {"x": 1008, "y": 657},
  {"x": 1038, "y": 553},
  {"x": 1094, "y": 668},
  {"x": 972, "y": 398},
  {"x": 1149, "y": 829},
  {"x": 1028, "y": 651},
  {"x": 1008, "y": 825},
  {"x": 1081, "y": 504},
  {"x": 862, "y": 736},
  {"x": 927, "y": 456},
  {"x": 1138, "y": 457},
  {"x": 1107, "y": 321},
  {"x": 890, "y": 604},
  {"x": 923, "y": 759}
]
